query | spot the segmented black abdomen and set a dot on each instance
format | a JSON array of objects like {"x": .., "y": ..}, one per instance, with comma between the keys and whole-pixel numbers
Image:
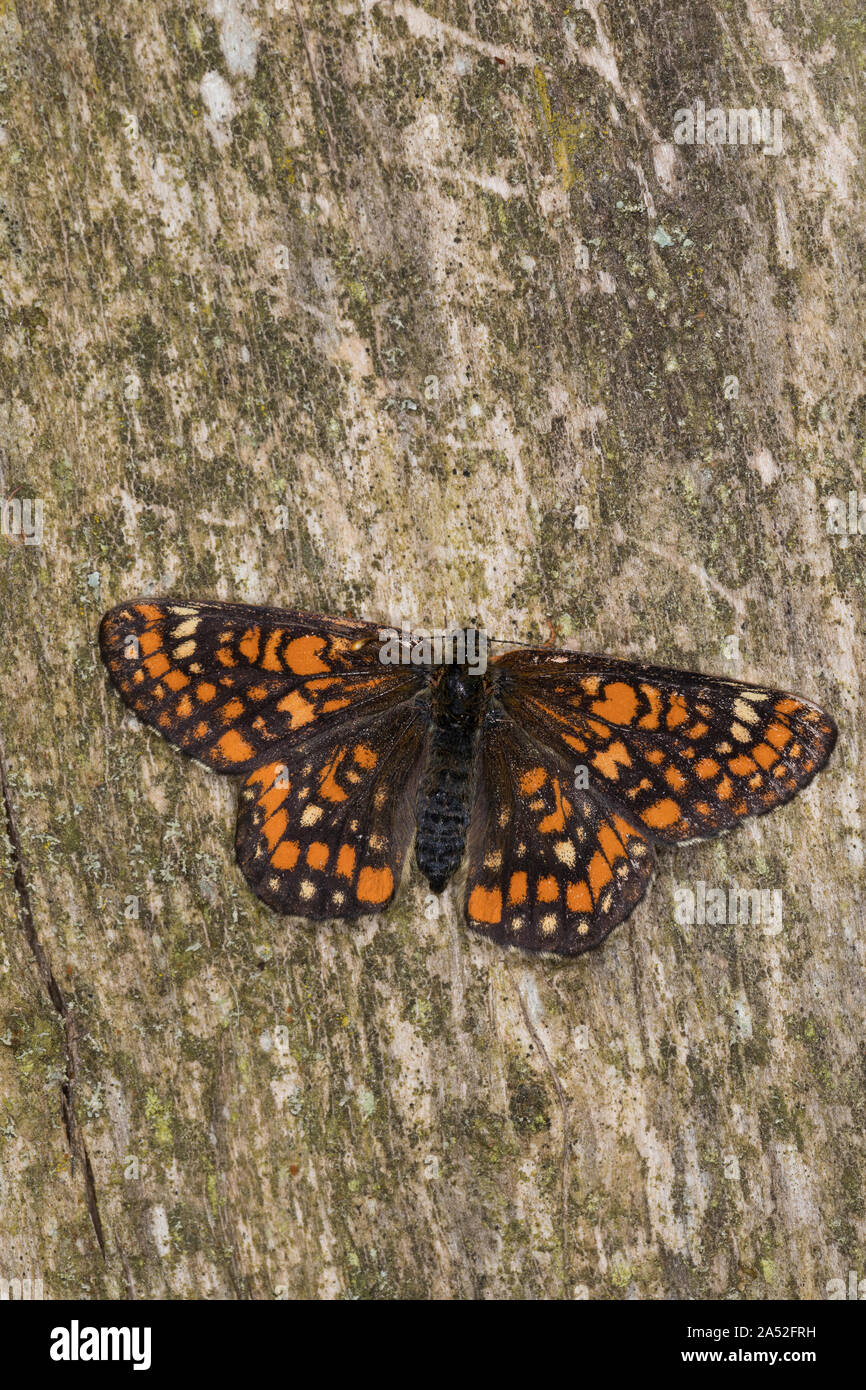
[{"x": 445, "y": 792}]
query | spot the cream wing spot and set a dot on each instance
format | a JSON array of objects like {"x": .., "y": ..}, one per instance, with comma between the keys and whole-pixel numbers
[{"x": 745, "y": 712}]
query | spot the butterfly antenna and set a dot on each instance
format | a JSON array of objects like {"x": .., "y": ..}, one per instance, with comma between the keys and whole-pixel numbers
[{"x": 513, "y": 642}]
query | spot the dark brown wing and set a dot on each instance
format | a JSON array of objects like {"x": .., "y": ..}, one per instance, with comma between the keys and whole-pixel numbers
[
  {"x": 323, "y": 830},
  {"x": 550, "y": 867},
  {"x": 235, "y": 685},
  {"x": 684, "y": 756}
]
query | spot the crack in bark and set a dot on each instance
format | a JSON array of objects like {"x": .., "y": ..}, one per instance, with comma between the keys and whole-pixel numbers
[
  {"x": 331, "y": 143},
  {"x": 563, "y": 1105},
  {"x": 74, "y": 1132}
]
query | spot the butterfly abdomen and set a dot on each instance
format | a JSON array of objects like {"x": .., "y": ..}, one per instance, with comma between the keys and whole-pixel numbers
[{"x": 445, "y": 793}]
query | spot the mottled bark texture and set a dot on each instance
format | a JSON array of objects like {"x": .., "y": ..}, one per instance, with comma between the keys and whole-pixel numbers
[{"x": 420, "y": 311}]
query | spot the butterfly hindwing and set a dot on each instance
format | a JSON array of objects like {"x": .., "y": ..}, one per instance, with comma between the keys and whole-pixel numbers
[
  {"x": 684, "y": 756},
  {"x": 550, "y": 867},
  {"x": 230, "y": 683},
  {"x": 322, "y": 831}
]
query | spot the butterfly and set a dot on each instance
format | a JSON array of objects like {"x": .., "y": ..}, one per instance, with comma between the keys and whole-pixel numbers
[{"x": 553, "y": 772}]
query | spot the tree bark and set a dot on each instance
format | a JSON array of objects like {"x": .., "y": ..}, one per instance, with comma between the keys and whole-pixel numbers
[{"x": 422, "y": 312}]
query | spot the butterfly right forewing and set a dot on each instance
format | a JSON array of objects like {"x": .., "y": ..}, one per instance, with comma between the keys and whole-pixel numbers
[{"x": 230, "y": 683}]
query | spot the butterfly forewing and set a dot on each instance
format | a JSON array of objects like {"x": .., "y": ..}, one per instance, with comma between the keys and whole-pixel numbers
[
  {"x": 231, "y": 683},
  {"x": 684, "y": 756},
  {"x": 550, "y": 867}
]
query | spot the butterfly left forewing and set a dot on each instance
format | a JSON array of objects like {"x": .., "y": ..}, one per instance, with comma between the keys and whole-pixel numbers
[
  {"x": 685, "y": 755},
  {"x": 229, "y": 682}
]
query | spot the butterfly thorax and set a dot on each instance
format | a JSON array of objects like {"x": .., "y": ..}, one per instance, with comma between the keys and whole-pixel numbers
[{"x": 458, "y": 700}]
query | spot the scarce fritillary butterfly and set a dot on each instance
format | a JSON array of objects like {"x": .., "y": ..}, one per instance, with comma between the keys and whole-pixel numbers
[{"x": 343, "y": 758}]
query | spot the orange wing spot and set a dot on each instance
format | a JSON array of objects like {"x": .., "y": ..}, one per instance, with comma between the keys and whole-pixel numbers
[
  {"x": 704, "y": 809},
  {"x": 555, "y": 822},
  {"x": 150, "y": 641},
  {"x": 270, "y": 660},
  {"x": 530, "y": 783},
  {"x": 778, "y": 735},
  {"x": 264, "y": 775},
  {"x": 677, "y": 711},
  {"x": 234, "y": 748},
  {"x": 606, "y": 761},
  {"x": 610, "y": 843},
  {"x": 655, "y": 756},
  {"x": 697, "y": 730},
  {"x": 346, "y": 861},
  {"x": 231, "y": 711},
  {"x": 651, "y": 720},
  {"x": 517, "y": 889},
  {"x": 786, "y": 706},
  {"x": 317, "y": 855},
  {"x": 301, "y": 710},
  {"x": 275, "y": 827},
  {"x": 578, "y": 898},
  {"x": 329, "y": 787},
  {"x": 257, "y": 692},
  {"x": 675, "y": 778},
  {"x": 148, "y": 611},
  {"x": 165, "y": 720},
  {"x": 374, "y": 885},
  {"x": 201, "y": 729},
  {"x": 272, "y": 799},
  {"x": 176, "y": 680},
  {"x": 249, "y": 643},
  {"x": 302, "y": 656},
  {"x": 547, "y": 889},
  {"x": 600, "y": 873},
  {"x": 157, "y": 665},
  {"x": 324, "y": 683},
  {"x": 365, "y": 757},
  {"x": 138, "y": 677},
  {"x": 205, "y": 692},
  {"x": 285, "y": 856},
  {"x": 602, "y": 730},
  {"x": 184, "y": 707},
  {"x": 624, "y": 830},
  {"x": 573, "y": 742},
  {"x": 485, "y": 905},
  {"x": 707, "y": 767},
  {"x": 741, "y": 765},
  {"x": 662, "y": 813},
  {"x": 330, "y": 705},
  {"x": 619, "y": 704},
  {"x": 225, "y": 656},
  {"x": 765, "y": 756},
  {"x": 725, "y": 788}
]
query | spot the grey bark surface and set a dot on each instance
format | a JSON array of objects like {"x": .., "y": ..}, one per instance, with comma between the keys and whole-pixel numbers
[{"x": 418, "y": 311}]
